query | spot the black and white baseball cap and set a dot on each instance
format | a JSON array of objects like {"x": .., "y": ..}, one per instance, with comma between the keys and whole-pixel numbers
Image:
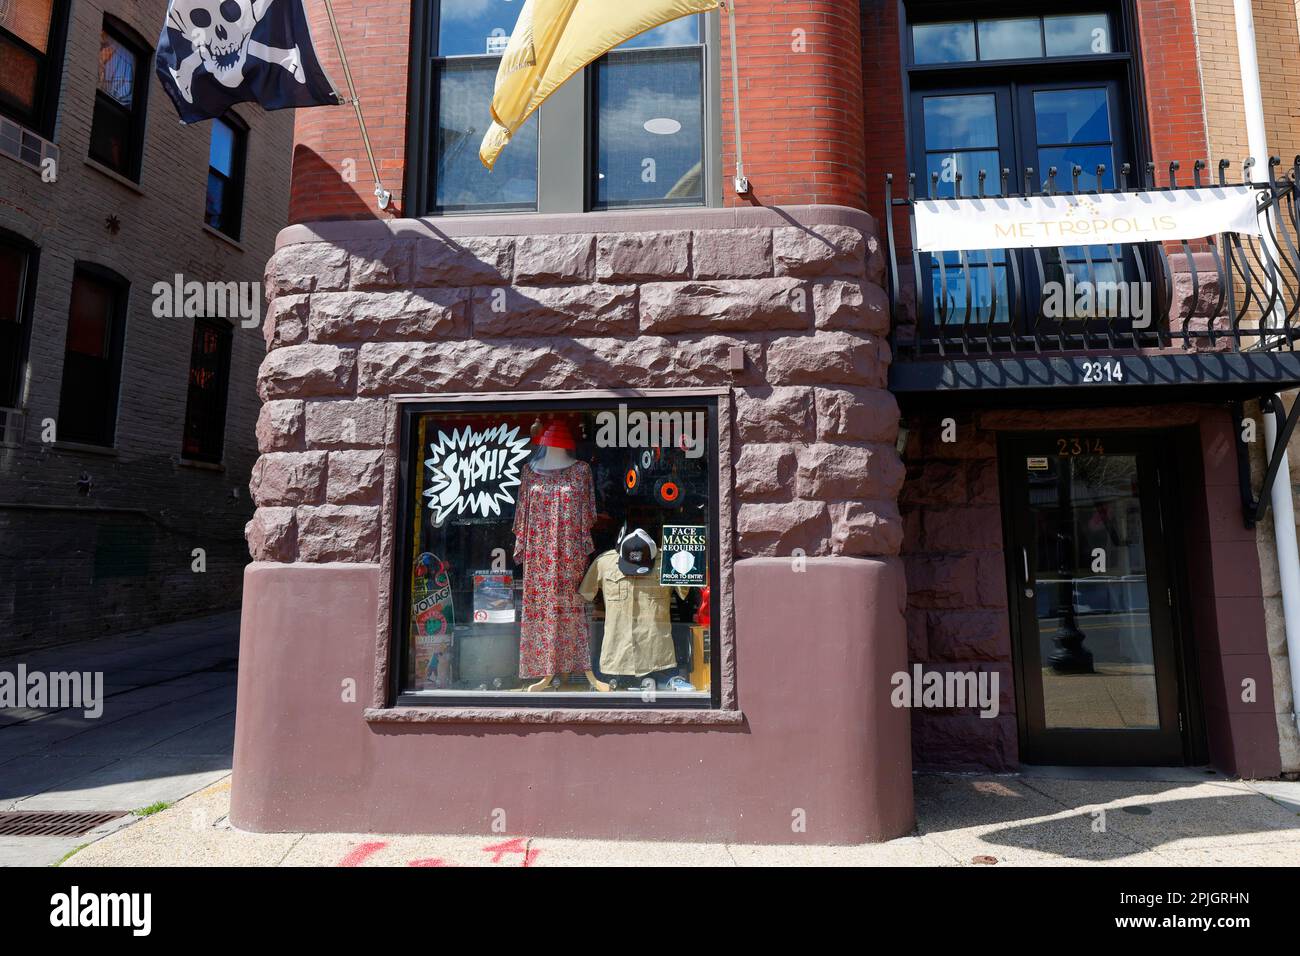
[{"x": 636, "y": 553}]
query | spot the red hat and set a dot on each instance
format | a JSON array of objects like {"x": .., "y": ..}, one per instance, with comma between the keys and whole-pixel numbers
[{"x": 557, "y": 435}]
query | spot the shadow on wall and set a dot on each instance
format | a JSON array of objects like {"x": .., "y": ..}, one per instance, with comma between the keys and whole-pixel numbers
[{"x": 321, "y": 191}]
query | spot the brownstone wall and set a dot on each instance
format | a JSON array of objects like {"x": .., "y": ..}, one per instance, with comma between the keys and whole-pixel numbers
[{"x": 363, "y": 311}]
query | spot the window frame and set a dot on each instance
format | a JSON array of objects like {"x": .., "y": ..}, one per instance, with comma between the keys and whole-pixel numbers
[
  {"x": 138, "y": 113},
  {"x": 407, "y": 410},
  {"x": 121, "y": 287},
  {"x": 41, "y": 119},
  {"x": 562, "y": 184},
  {"x": 31, "y": 254},
  {"x": 239, "y": 169},
  {"x": 226, "y": 337}
]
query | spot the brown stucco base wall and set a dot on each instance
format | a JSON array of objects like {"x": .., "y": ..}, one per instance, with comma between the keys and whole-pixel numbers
[
  {"x": 814, "y": 739},
  {"x": 957, "y": 613}
]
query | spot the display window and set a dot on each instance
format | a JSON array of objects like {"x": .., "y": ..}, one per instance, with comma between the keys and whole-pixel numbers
[{"x": 558, "y": 553}]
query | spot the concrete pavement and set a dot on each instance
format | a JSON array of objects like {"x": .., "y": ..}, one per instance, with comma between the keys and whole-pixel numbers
[
  {"x": 167, "y": 729},
  {"x": 1112, "y": 818}
]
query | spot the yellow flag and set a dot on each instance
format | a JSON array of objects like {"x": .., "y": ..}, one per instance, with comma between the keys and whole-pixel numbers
[{"x": 553, "y": 40}]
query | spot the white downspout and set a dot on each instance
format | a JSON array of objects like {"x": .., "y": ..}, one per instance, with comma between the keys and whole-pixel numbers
[{"x": 1284, "y": 530}]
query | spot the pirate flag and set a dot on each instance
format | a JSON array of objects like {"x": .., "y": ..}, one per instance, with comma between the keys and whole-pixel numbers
[{"x": 214, "y": 53}]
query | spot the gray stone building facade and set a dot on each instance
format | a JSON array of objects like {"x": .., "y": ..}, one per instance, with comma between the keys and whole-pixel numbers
[{"x": 128, "y": 422}]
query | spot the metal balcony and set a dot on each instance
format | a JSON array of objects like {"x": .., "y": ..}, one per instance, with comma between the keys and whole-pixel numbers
[{"x": 1220, "y": 316}]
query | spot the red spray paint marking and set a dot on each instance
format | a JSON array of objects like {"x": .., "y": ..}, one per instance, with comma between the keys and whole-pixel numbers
[
  {"x": 360, "y": 853},
  {"x": 432, "y": 861},
  {"x": 512, "y": 846}
]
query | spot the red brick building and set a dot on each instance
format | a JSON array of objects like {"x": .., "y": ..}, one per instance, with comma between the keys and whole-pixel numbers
[{"x": 892, "y": 491}]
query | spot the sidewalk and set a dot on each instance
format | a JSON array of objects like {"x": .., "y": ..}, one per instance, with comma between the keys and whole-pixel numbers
[
  {"x": 1047, "y": 818},
  {"x": 167, "y": 729}
]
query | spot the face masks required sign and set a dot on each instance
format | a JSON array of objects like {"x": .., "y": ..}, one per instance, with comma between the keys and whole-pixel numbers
[
  {"x": 1036, "y": 222},
  {"x": 684, "y": 559}
]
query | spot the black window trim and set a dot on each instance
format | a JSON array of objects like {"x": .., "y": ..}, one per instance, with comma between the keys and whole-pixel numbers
[
  {"x": 117, "y": 341},
  {"x": 226, "y": 332},
  {"x": 138, "y": 114},
  {"x": 26, "y": 309},
  {"x": 239, "y": 170},
  {"x": 50, "y": 79},
  {"x": 408, "y": 408}
]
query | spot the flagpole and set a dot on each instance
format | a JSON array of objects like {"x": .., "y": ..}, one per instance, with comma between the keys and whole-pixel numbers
[
  {"x": 740, "y": 183},
  {"x": 381, "y": 194}
]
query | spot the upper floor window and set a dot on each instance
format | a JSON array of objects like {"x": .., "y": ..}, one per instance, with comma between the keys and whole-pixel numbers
[
  {"x": 225, "y": 201},
  {"x": 205, "y": 404},
  {"x": 630, "y": 130},
  {"x": 117, "y": 127},
  {"x": 30, "y": 51},
  {"x": 1011, "y": 38},
  {"x": 17, "y": 285},
  {"x": 92, "y": 357}
]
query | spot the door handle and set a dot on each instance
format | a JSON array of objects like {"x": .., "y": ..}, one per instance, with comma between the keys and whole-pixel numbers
[{"x": 1029, "y": 584}]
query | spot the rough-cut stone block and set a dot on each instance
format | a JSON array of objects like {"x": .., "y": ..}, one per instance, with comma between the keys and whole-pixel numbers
[
  {"x": 851, "y": 305},
  {"x": 841, "y": 472},
  {"x": 992, "y": 579},
  {"x": 753, "y": 305},
  {"x": 367, "y": 316},
  {"x": 555, "y": 310},
  {"x": 866, "y": 527},
  {"x": 778, "y": 529},
  {"x": 543, "y": 364},
  {"x": 818, "y": 251},
  {"x": 765, "y": 471},
  {"x": 355, "y": 477},
  {"x": 466, "y": 261},
  {"x": 982, "y": 482},
  {"x": 856, "y": 414},
  {"x": 307, "y": 267},
  {"x": 949, "y": 741},
  {"x": 271, "y": 534},
  {"x": 876, "y": 266},
  {"x": 286, "y": 321},
  {"x": 640, "y": 256},
  {"x": 829, "y": 358},
  {"x": 301, "y": 371},
  {"x": 358, "y": 423},
  {"x": 555, "y": 258},
  {"x": 288, "y": 478},
  {"x": 380, "y": 263},
  {"x": 731, "y": 253},
  {"x": 942, "y": 580},
  {"x": 348, "y": 533},
  {"x": 969, "y": 636},
  {"x": 774, "y": 414},
  {"x": 967, "y": 528},
  {"x": 934, "y": 482},
  {"x": 280, "y": 426}
]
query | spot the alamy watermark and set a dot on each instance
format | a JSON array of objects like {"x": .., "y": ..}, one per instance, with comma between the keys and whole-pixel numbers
[
  {"x": 1100, "y": 299},
  {"x": 195, "y": 299},
  {"x": 946, "y": 690},
  {"x": 636, "y": 429},
  {"x": 81, "y": 690}
]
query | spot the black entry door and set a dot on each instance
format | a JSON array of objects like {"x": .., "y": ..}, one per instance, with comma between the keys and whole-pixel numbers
[{"x": 1092, "y": 600}]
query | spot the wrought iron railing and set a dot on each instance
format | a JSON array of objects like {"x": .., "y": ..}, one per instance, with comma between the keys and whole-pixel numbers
[{"x": 1225, "y": 292}]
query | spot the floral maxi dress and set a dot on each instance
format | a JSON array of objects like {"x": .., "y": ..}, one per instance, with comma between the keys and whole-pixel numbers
[{"x": 552, "y": 529}]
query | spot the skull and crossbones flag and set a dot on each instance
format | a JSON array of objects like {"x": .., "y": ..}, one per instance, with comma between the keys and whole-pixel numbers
[{"x": 214, "y": 53}]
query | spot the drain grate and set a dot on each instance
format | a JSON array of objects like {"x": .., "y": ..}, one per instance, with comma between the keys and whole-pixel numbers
[{"x": 54, "y": 823}]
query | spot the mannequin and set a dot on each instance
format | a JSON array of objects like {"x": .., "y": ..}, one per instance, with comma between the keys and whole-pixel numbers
[{"x": 549, "y": 637}]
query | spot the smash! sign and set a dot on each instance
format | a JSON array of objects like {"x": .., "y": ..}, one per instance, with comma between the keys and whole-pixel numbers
[{"x": 474, "y": 471}]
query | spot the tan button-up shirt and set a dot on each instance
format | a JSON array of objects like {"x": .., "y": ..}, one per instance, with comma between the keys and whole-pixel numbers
[{"x": 638, "y": 629}]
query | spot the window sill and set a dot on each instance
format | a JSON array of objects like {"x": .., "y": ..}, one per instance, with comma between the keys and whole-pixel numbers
[
  {"x": 554, "y": 716},
  {"x": 200, "y": 465},
  {"x": 218, "y": 234},
  {"x": 106, "y": 451},
  {"x": 115, "y": 176}
]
